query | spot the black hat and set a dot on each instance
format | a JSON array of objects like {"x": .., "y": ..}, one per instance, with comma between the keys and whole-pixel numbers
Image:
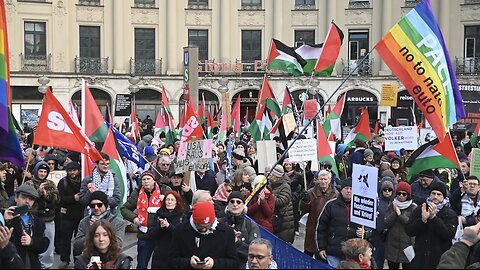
[
  {"x": 236, "y": 195},
  {"x": 439, "y": 186},
  {"x": 346, "y": 183},
  {"x": 426, "y": 173},
  {"x": 72, "y": 166},
  {"x": 101, "y": 196},
  {"x": 74, "y": 156},
  {"x": 176, "y": 174}
]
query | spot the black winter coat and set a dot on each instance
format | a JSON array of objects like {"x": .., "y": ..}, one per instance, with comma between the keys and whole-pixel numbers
[
  {"x": 249, "y": 230},
  {"x": 334, "y": 227},
  {"x": 67, "y": 188},
  {"x": 283, "y": 224},
  {"x": 39, "y": 241},
  {"x": 433, "y": 238},
  {"x": 219, "y": 245},
  {"x": 163, "y": 238},
  {"x": 9, "y": 258}
]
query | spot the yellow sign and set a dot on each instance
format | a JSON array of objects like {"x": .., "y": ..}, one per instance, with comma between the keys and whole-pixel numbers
[{"x": 389, "y": 95}]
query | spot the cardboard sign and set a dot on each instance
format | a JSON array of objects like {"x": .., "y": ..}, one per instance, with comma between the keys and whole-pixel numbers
[
  {"x": 197, "y": 156},
  {"x": 363, "y": 208},
  {"x": 303, "y": 150},
  {"x": 56, "y": 176},
  {"x": 266, "y": 155},
  {"x": 389, "y": 95},
  {"x": 289, "y": 124},
  {"x": 397, "y": 138},
  {"x": 475, "y": 163}
]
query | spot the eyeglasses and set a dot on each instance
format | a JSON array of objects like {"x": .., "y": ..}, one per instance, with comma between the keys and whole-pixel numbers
[
  {"x": 327, "y": 166},
  {"x": 236, "y": 202},
  {"x": 258, "y": 257},
  {"x": 164, "y": 164},
  {"x": 404, "y": 194},
  {"x": 387, "y": 190},
  {"x": 98, "y": 205}
]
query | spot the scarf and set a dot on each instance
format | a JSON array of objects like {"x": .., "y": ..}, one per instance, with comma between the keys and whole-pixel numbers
[
  {"x": 105, "y": 183},
  {"x": 445, "y": 202},
  {"x": 221, "y": 194},
  {"x": 468, "y": 205},
  {"x": 147, "y": 205},
  {"x": 289, "y": 173},
  {"x": 402, "y": 205},
  {"x": 361, "y": 264}
]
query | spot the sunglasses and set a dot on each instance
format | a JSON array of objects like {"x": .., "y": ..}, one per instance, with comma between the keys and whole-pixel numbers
[
  {"x": 164, "y": 164},
  {"x": 327, "y": 166},
  {"x": 236, "y": 202},
  {"x": 402, "y": 194},
  {"x": 387, "y": 190},
  {"x": 98, "y": 205}
]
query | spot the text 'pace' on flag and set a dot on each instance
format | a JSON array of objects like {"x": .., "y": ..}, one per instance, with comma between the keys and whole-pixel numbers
[{"x": 416, "y": 53}]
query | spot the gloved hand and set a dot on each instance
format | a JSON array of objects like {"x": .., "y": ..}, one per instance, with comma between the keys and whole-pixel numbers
[{"x": 304, "y": 197}]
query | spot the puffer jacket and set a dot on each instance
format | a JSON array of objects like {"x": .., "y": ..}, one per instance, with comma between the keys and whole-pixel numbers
[
  {"x": 261, "y": 211},
  {"x": 283, "y": 224},
  {"x": 397, "y": 237}
]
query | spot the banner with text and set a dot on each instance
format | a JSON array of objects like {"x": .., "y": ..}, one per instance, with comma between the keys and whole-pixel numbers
[
  {"x": 197, "y": 156},
  {"x": 266, "y": 155},
  {"x": 475, "y": 164},
  {"x": 303, "y": 150},
  {"x": 405, "y": 137},
  {"x": 389, "y": 95},
  {"x": 364, "y": 195}
]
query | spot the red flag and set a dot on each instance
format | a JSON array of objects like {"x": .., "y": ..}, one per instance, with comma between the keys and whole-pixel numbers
[
  {"x": 135, "y": 125},
  {"x": 201, "y": 110},
  {"x": 182, "y": 119},
  {"x": 310, "y": 108},
  {"x": 236, "y": 116},
  {"x": 95, "y": 127},
  {"x": 376, "y": 128},
  {"x": 160, "y": 122},
  {"x": 192, "y": 125},
  {"x": 329, "y": 110},
  {"x": 56, "y": 128}
]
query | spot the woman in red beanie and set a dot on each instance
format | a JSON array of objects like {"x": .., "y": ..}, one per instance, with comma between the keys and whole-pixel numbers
[{"x": 396, "y": 219}]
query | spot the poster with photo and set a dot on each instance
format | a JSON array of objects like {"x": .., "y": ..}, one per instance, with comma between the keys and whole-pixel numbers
[{"x": 30, "y": 116}]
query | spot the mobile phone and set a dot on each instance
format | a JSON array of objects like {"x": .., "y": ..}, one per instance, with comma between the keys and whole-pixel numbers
[
  {"x": 94, "y": 259},
  {"x": 20, "y": 210},
  {"x": 201, "y": 262}
]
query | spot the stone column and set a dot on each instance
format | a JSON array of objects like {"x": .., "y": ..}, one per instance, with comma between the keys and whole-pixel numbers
[
  {"x": 386, "y": 25},
  {"x": 172, "y": 48},
  {"x": 118, "y": 37},
  {"x": 162, "y": 34}
]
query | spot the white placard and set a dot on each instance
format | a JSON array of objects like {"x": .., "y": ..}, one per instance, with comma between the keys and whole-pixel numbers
[
  {"x": 426, "y": 135},
  {"x": 56, "y": 176},
  {"x": 303, "y": 150},
  {"x": 405, "y": 137},
  {"x": 266, "y": 154},
  {"x": 363, "y": 208}
]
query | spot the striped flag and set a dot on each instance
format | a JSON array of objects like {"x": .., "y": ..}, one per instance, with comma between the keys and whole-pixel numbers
[
  {"x": 330, "y": 51},
  {"x": 282, "y": 57},
  {"x": 416, "y": 53},
  {"x": 361, "y": 131}
]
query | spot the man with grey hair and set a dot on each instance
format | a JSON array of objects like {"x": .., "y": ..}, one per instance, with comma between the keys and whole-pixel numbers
[
  {"x": 260, "y": 255},
  {"x": 162, "y": 170},
  {"x": 201, "y": 196},
  {"x": 313, "y": 202}
]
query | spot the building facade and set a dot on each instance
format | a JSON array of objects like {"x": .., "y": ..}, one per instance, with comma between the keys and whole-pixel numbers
[{"x": 107, "y": 42}]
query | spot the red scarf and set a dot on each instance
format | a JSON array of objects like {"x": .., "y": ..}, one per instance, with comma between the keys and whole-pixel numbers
[
  {"x": 145, "y": 206},
  {"x": 361, "y": 264}
]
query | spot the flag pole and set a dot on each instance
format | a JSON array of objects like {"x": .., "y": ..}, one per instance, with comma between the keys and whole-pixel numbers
[{"x": 310, "y": 121}]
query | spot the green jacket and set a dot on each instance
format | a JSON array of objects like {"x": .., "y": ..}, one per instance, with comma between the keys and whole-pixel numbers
[{"x": 454, "y": 258}]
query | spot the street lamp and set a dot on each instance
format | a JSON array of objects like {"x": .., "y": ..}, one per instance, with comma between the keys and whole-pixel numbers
[
  {"x": 223, "y": 89},
  {"x": 43, "y": 81},
  {"x": 133, "y": 88}
]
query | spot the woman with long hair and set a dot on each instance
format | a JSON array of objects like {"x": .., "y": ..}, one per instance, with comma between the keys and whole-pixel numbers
[
  {"x": 169, "y": 216},
  {"x": 102, "y": 250}
]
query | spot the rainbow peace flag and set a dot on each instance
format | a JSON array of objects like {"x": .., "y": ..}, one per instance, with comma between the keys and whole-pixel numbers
[
  {"x": 415, "y": 51},
  {"x": 9, "y": 145}
]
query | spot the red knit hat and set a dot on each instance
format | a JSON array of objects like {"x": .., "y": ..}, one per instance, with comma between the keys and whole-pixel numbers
[
  {"x": 405, "y": 187},
  {"x": 203, "y": 213}
]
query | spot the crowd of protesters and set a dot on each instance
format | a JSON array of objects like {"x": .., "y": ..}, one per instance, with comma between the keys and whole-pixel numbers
[{"x": 84, "y": 220}]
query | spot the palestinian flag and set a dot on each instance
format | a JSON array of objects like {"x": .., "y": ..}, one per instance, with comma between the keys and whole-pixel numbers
[
  {"x": 236, "y": 117},
  {"x": 160, "y": 126},
  {"x": 330, "y": 50},
  {"x": 361, "y": 131},
  {"x": 266, "y": 96},
  {"x": 475, "y": 135},
  {"x": 116, "y": 166},
  {"x": 310, "y": 53},
  {"x": 94, "y": 123},
  {"x": 282, "y": 57},
  {"x": 210, "y": 125},
  {"x": 324, "y": 152},
  {"x": 257, "y": 126},
  {"x": 431, "y": 155},
  {"x": 332, "y": 123},
  {"x": 201, "y": 111},
  {"x": 222, "y": 132}
]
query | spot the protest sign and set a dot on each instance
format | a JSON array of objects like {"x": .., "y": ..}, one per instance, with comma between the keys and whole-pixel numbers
[
  {"x": 405, "y": 137},
  {"x": 196, "y": 156},
  {"x": 364, "y": 195},
  {"x": 266, "y": 155},
  {"x": 475, "y": 164},
  {"x": 303, "y": 150},
  {"x": 389, "y": 95},
  {"x": 56, "y": 176}
]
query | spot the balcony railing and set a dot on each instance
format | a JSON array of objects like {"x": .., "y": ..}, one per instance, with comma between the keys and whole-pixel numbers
[
  {"x": 91, "y": 65},
  {"x": 365, "y": 68},
  {"x": 36, "y": 1},
  {"x": 36, "y": 63},
  {"x": 411, "y": 3},
  {"x": 469, "y": 2},
  {"x": 467, "y": 66},
  {"x": 304, "y": 7},
  {"x": 89, "y": 2},
  {"x": 358, "y": 4},
  {"x": 144, "y": 4},
  {"x": 251, "y": 6},
  {"x": 145, "y": 66}
]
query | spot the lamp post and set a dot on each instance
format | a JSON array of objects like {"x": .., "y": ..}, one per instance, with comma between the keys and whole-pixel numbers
[
  {"x": 223, "y": 89},
  {"x": 43, "y": 81},
  {"x": 133, "y": 88}
]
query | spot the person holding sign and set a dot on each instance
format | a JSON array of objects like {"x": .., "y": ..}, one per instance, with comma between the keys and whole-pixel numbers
[
  {"x": 335, "y": 221},
  {"x": 433, "y": 224}
]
